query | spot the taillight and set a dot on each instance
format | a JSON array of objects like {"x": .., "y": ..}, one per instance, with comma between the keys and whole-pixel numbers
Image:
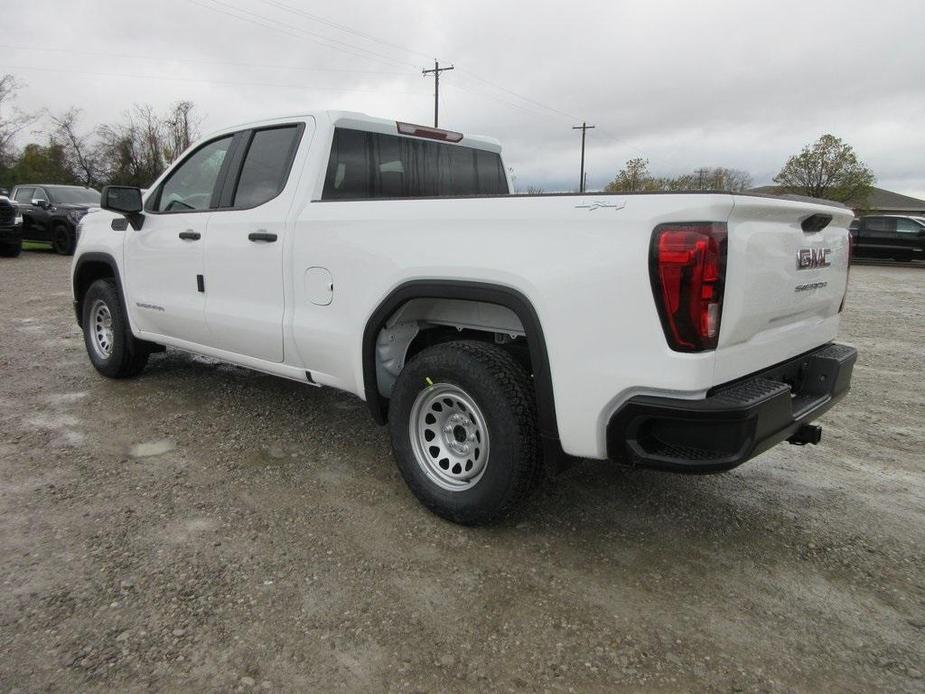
[
  {"x": 844, "y": 298},
  {"x": 688, "y": 270}
]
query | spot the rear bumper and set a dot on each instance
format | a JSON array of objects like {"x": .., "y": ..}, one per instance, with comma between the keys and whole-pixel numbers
[{"x": 736, "y": 421}]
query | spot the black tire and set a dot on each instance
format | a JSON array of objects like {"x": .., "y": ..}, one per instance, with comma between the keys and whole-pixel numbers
[
  {"x": 503, "y": 392},
  {"x": 10, "y": 250},
  {"x": 62, "y": 240},
  {"x": 127, "y": 356}
]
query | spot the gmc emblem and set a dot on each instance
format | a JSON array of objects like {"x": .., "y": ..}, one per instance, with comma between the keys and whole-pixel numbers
[{"x": 812, "y": 258}]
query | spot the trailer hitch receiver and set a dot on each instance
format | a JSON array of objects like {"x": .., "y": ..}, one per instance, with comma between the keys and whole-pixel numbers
[{"x": 808, "y": 433}]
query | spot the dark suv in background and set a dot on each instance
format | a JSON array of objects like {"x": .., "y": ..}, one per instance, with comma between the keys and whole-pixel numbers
[
  {"x": 50, "y": 213},
  {"x": 10, "y": 228},
  {"x": 889, "y": 236}
]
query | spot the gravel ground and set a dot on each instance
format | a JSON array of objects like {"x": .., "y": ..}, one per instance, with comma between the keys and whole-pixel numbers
[{"x": 211, "y": 528}]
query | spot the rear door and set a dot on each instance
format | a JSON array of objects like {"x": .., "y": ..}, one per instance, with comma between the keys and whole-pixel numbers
[
  {"x": 245, "y": 244},
  {"x": 910, "y": 235},
  {"x": 784, "y": 286}
]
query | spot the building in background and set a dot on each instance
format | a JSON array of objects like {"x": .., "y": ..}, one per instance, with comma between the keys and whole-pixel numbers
[{"x": 880, "y": 201}]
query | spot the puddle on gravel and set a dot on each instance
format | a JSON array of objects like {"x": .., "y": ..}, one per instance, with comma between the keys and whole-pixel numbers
[
  {"x": 270, "y": 456},
  {"x": 64, "y": 399},
  {"x": 149, "y": 449}
]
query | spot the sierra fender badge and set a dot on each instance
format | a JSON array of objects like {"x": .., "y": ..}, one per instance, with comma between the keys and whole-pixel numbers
[
  {"x": 812, "y": 258},
  {"x": 597, "y": 204}
]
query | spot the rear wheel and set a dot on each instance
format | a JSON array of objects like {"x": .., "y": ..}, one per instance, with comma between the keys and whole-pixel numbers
[
  {"x": 62, "y": 240},
  {"x": 112, "y": 349},
  {"x": 463, "y": 425},
  {"x": 11, "y": 249}
]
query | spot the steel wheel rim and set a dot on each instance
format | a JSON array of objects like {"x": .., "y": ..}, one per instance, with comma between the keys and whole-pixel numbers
[
  {"x": 101, "y": 334},
  {"x": 449, "y": 437}
]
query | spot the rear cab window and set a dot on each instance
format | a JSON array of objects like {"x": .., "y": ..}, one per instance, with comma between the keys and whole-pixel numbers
[{"x": 366, "y": 165}]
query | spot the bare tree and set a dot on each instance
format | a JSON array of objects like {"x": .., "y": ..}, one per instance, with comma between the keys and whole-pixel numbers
[
  {"x": 82, "y": 155},
  {"x": 182, "y": 128},
  {"x": 12, "y": 120}
]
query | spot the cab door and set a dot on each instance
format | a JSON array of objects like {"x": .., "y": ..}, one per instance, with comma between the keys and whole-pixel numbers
[
  {"x": 244, "y": 247},
  {"x": 164, "y": 259}
]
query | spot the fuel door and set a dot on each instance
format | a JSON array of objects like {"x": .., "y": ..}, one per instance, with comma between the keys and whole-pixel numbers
[{"x": 319, "y": 286}]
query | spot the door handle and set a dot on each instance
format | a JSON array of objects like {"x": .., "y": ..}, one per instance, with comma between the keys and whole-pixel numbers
[
  {"x": 190, "y": 235},
  {"x": 261, "y": 236}
]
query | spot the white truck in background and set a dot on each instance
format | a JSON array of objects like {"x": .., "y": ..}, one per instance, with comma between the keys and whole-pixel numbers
[{"x": 492, "y": 332}]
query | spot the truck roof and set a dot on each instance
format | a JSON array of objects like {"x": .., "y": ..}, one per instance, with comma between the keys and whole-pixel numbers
[{"x": 363, "y": 121}]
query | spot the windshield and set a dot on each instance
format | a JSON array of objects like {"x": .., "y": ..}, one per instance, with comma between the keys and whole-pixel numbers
[{"x": 80, "y": 196}]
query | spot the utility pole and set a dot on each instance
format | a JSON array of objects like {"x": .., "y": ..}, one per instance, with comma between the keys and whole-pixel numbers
[
  {"x": 436, "y": 71},
  {"x": 584, "y": 128}
]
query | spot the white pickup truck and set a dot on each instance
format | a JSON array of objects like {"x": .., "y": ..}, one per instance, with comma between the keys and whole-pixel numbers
[{"x": 496, "y": 334}]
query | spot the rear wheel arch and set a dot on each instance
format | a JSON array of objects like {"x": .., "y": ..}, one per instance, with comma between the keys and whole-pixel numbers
[{"x": 463, "y": 290}]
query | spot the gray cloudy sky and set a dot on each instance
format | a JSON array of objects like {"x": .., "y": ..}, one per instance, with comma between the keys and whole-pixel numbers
[{"x": 686, "y": 84}]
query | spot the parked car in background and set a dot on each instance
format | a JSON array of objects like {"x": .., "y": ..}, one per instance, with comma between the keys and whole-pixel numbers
[
  {"x": 10, "y": 229},
  {"x": 51, "y": 213},
  {"x": 889, "y": 236}
]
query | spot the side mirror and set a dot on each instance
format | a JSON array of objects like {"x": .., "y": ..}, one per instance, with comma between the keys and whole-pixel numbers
[
  {"x": 40, "y": 203},
  {"x": 125, "y": 200}
]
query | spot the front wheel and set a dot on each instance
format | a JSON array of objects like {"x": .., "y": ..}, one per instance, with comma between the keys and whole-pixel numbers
[
  {"x": 112, "y": 348},
  {"x": 462, "y": 420},
  {"x": 11, "y": 249},
  {"x": 62, "y": 240}
]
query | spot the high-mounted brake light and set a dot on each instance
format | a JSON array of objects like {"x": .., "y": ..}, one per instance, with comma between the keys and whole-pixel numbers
[
  {"x": 430, "y": 133},
  {"x": 687, "y": 267}
]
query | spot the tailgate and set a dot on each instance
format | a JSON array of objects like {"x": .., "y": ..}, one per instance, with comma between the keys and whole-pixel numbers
[{"x": 784, "y": 285}]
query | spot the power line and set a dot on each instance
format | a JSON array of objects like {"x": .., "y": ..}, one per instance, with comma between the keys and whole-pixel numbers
[
  {"x": 584, "y": 128},
  {"x": 203, "y": 81},
  {"x": 341, "y": 27},
  {"x": 268, "y": 23},
  {"x": 520, "y": 96},
  {"x": 435, "y": 71},
  {"x": 181, "y": 59},
  {"x": 297, "y": 32},
  {"x": 370, "y": 37}
]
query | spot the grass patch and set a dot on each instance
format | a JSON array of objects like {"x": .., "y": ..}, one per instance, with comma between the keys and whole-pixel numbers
[{"x": 35, "y": 246}]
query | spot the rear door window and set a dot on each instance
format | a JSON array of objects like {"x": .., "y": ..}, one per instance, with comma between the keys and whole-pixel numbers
[
  {"x": 367, "y": 165},
  {"x": 23, "y": 195},
  {"x": 266, "y": 165}
]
